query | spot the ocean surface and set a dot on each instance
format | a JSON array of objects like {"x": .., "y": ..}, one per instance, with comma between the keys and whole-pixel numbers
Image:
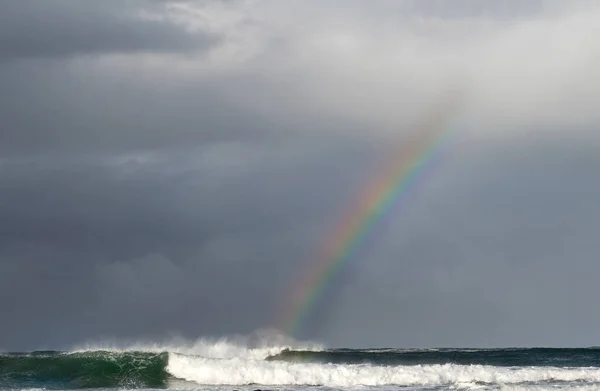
[{"x": 225, "y": 366}]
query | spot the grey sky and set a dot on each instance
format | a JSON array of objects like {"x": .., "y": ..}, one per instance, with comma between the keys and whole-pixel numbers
[
  {"x": 172, "y": 167},
  {"x": 33, "y": 28}
]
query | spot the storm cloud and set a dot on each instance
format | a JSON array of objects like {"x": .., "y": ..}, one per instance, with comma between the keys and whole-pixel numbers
[
  {"x": 39, "y": 29},
  {"x": 173, "y": 167}
]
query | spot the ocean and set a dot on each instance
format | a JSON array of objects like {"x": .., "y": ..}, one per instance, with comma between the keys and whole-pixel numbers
[{"x": 225, "y": 366}]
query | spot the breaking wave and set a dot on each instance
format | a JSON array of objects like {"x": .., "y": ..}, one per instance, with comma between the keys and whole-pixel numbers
[{"x": 282, "y": 362}]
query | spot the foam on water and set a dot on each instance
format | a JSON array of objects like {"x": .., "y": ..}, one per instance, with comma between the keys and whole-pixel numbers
[
  {"x": 562, "y": 387},
  {"x": 237, "y": 371}
]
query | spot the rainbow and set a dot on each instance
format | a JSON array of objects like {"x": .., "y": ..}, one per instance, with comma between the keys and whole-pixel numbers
[{"x": 399, "y": 174}]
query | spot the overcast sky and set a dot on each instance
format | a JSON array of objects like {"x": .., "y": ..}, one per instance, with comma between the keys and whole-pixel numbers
[{"x": 173, "y": 167}]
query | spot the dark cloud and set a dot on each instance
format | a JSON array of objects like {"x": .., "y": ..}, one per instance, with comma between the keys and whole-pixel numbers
[
  {"x": 38, "y": 29},
  {"x": 143, "y": 246},
  {"x": 54, "y": 107},
  {"x": 194, "y": 242}
]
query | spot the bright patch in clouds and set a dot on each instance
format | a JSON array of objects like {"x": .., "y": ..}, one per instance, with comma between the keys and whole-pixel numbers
[{"x": 382, "y": 64}]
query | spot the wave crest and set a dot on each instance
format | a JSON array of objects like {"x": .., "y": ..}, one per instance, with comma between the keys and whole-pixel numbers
[{"x": 258, "y": 345}]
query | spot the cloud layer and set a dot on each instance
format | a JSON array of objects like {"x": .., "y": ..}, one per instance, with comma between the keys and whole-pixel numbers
[{"x": 172, "y": 167}]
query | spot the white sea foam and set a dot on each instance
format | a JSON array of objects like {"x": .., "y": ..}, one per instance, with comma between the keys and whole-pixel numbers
[
  {"x": 244, "y": 371},
  {"x": 562, "y": 387}
]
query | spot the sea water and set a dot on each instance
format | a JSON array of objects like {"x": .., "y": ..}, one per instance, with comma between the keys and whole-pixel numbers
[{"x": 226, "y": 366}]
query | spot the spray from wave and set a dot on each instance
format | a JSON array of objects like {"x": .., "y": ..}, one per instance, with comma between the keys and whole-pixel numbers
[{"x": 258, "y": 345}]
